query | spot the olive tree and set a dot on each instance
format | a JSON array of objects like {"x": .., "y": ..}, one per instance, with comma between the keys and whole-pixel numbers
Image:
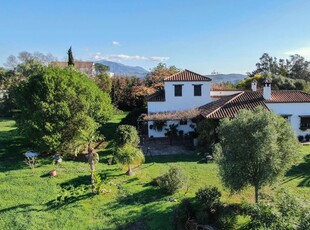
[
  {"x": 256, "y": 148},
  {"x": 59, "y": 107}
]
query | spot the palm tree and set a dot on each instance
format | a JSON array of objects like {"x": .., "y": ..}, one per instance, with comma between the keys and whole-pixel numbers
[{"x": 129, "y": 156}]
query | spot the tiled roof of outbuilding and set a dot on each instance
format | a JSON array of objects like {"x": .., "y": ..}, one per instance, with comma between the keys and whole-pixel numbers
[
  {"x": 230, "y": 105},
  {"x": 187, "y": 75},
  {"x": 288, "y": 96}
]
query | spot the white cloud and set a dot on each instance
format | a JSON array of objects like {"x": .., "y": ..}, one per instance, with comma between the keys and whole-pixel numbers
[
  {"x": 304, "y": 51},
  {"x": 124, "y": 57},
  {"x": 116, "y": 43}
]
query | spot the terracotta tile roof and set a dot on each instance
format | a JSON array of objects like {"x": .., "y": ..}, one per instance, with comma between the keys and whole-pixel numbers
[
  {"x": 214, "y": 105},
  {"x": 289, "y": 96},
  {"x": 157, "y": 96},
  {"x": 187, "y": 75},
  {"x": 229, "y": 106}
]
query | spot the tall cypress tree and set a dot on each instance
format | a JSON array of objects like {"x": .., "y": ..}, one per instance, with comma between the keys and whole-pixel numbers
[{"x": 70, "y": 57}]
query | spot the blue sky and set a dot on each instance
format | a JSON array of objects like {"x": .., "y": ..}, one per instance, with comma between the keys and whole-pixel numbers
[{"x": 200, "y": 35}]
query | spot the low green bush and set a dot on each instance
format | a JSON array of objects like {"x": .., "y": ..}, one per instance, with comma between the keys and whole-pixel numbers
[
  {"x": 208, "y": 196},
  {"x": 184, "y": 212},
  {"x": 172, "y": 181}
]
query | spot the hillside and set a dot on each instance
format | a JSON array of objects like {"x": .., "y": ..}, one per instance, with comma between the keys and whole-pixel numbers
[
  {"x": 233, "y": 77},
  {"x": 121, "y": 69}
]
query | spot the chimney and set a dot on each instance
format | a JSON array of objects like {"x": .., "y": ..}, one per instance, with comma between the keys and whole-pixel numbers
[
  {"x": 267, "y": 89},
  {"x": 254, "y": 85}
]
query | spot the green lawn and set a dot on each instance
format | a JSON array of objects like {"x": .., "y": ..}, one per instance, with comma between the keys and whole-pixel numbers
[{"x": 36, "y": 201}]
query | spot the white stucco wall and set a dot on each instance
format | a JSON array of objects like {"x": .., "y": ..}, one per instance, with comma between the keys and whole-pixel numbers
[
  {"x": 186, "y": 128},
  {"x": 296, "y": 110},
  {"x": 186, "y": 101},
  {"x": 221, "y": 93}
]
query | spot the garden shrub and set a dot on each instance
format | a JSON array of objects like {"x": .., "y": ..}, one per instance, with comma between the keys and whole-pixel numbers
[
  {"x": 184, "y": 212},
  {"x": 208, "y": 196},
  {"x": 226, "y": 216},
  {"x": 172, "y": 181},
  {"x": 278, "y": 212},
  {"x": 126, "y": 134}
]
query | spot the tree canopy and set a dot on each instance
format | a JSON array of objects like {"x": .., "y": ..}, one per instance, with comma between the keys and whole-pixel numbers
[
  {"x": 59, "y": 107},
  {"x": 126, "y": 134},
  {"x": 296, "y": 67},
  {"x": 256, "y": 148},
  {"x": 104, "y": 82},
  {"x": 155, "y": 78}
]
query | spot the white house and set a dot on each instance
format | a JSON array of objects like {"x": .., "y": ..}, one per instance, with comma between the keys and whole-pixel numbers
[
  {"x": 182, "y": 91},
  {"x": 187, "y": 95}
]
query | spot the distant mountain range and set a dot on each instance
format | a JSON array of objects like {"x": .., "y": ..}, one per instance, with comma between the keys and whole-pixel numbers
[
  {"x": 126, "y": 70},
  {"x": 232, "y": 77}
]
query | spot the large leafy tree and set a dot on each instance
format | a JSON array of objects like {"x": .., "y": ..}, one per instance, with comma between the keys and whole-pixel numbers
[
  {"x": 296, "y": 67},
  {"x": 59, "y": 107},
  {"x": 101, "y": 68},
  {"x": 104, "y": 82},
  {"x": 125, "y": 92},
  {"x": 155, "y": 78},
  {"x": 256, "y": 148}
]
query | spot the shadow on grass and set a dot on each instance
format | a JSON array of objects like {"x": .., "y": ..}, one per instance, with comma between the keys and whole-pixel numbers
[
  {"x": 301, "y": 171},
  {"x": 15, "y": 208},
  {"x": 77, "y": 181},
  {"x": 151, "y": 213},
  {"x": 12, "y": 147},
  {"x": 146, "y": 196},
  {"x": 173, "y": 158},
  {"x": 65, "y": 201}
]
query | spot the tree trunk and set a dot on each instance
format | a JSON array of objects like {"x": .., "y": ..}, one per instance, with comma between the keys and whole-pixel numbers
[
  {"x": 256, "y": 193},
  {"x": 92, "y": 167},
  {"x": 130, "y": 172}
]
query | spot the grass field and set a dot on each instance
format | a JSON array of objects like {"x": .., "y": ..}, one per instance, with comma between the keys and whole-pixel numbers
[{"x": 33, "y": 200}]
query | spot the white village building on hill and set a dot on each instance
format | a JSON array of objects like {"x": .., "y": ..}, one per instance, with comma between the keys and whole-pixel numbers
[{"x": 187, "y": 95}]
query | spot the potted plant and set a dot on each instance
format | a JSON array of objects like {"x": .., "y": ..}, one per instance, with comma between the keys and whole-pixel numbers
[
  {"x": 158, "y": 125},
  {"x": 53, "y": 173},
  {"x": 57, "y": 160}
]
